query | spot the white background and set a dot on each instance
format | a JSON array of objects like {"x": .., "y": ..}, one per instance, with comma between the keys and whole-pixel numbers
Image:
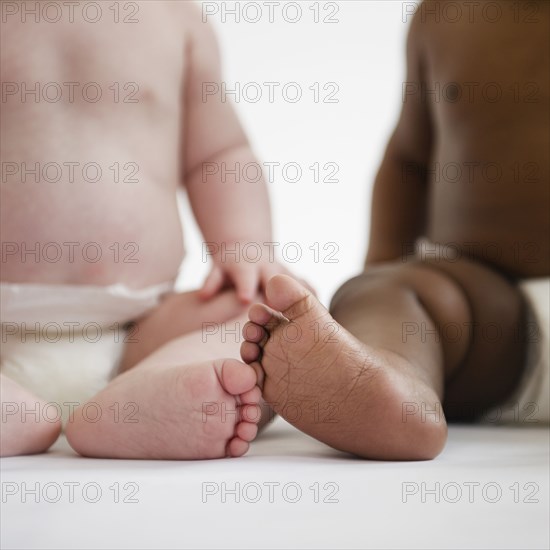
[{"x": 364, "y": 54}]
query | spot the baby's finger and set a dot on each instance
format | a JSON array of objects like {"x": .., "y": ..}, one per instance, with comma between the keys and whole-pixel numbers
[
  {"x": 246, "y": 282},
  {"x": 212, "y": 284}
]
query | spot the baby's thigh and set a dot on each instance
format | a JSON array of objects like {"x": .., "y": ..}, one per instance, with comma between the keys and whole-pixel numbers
[
  {"x": 176, "y": 316},
  {"x": 185, "y": 312},
  {"x": 496, "y": 331}
]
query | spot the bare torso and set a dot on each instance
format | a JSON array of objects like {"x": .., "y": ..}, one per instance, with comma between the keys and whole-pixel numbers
[
  {"x": 489, "y": 173},
  {"x": 134, "y": 223},
  {"x": 489, "y": 170}
]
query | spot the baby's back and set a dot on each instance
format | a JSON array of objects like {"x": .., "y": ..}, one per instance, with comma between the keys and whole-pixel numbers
[{"x": 486, "y": 70}]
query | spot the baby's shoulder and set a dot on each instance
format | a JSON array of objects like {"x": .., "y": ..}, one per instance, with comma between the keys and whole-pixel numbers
[
  {"x": 444, "y": 21},
  {"x": 190, "y": 17},
  {"x": 188, "y": 12}
]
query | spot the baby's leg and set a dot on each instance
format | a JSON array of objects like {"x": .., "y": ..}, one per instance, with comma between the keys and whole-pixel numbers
[
  {"x": 370, "y": 379},
  {"x": 177, "y": 314},
  {"x": 24, "y": 429},
  {"x": 181, "y": 402}
]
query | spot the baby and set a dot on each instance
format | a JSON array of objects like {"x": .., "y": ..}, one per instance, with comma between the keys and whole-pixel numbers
[
  {"x": 103, "y": 120},
  {"x": 452, "y": 310},
  {"x": 450, "y": 313}
]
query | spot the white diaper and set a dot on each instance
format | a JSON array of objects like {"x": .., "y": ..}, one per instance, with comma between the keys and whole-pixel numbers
[
  {"x": 530, "y": 403},
  {"x": 64, "y": 343}
]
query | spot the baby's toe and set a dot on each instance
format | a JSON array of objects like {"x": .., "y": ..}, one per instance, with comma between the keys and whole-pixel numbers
[
  {"x": 246, "y": 431},
  {"x": 254, "y": 333},
  {"x": 237, "y": 447},
  {"x": 260, "y": 314},
  {"x": 250, "y": 351},
  {"x": 251, "y": 397},
  {"x": 236, "y": 377}
]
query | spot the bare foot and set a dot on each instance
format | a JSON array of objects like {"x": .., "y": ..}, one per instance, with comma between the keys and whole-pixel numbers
[
  {"x": 333, "y": 387},
  {"x": 198, "y": 411},
  {"x": 27, "y": 426}
]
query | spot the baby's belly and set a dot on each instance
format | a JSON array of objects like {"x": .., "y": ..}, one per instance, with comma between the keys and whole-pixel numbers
[
  {"x": 516, "y": 255},
  {"x": 503, "y": 223},
  {"x": 82, "y": 232},
  {"x": 88, "y": 187}
]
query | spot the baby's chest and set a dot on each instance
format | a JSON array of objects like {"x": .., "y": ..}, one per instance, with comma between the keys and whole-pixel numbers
[{"x": 81, "y": 62}]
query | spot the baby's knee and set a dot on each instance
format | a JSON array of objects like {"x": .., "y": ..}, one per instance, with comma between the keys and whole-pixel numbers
[
  {"x": 434, "y": 288},
  {"x": 353, "y": 288},
  {"x": 377, "y": 279}
]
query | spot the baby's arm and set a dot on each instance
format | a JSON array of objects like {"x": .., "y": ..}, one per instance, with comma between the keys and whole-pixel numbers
[
  {"x": 227, "y": 210},
  {"x": 400, "y": 195}
]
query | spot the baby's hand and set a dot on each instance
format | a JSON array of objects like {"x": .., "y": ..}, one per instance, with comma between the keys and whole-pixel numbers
[{"x": 247, "y": 278}]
